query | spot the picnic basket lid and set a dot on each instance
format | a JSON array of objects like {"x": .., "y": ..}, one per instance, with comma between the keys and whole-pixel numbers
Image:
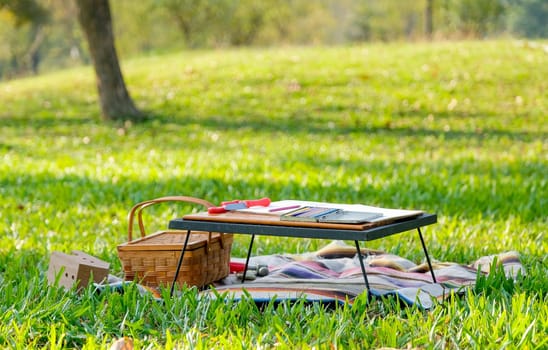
[{"x": 169, "y": 240}]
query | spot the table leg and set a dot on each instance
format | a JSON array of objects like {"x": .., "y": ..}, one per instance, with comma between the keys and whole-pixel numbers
[
  {"x": 427, "y": 256},
  {"x": 179, "y": 263},
  {"x": 248, "y": 256},
  {"x": 360, "y": 257}
]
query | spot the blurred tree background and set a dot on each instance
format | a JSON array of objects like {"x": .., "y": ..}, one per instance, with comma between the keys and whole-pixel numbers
[{"x": 42, "y": 35}]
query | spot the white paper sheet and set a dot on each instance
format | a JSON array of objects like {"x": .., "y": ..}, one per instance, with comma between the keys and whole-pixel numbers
[{"x": 387, "y": 213}]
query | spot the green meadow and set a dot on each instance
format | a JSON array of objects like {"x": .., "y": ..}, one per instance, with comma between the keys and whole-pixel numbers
[{"x": 453, "y": 128}]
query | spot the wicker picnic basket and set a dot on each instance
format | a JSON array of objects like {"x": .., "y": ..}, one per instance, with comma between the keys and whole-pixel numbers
[{"x": 152, "y": 259}]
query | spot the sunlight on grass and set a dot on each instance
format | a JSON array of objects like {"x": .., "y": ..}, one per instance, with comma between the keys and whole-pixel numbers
[{"x": 457, "y": 129}]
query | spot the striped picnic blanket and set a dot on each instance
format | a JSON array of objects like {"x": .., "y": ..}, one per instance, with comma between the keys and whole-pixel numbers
[{"x": 333, "y": 274}]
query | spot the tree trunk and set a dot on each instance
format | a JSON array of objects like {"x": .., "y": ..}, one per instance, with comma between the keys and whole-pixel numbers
[
  {"x": 95, "y": 20},
  {"x": 429, "y": 18}
]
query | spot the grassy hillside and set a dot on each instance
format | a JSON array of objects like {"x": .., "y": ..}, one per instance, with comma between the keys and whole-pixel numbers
[{"x": 458, "y": 129}]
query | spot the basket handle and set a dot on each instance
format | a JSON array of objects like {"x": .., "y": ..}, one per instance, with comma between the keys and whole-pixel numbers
[{"x": 138, "y": 208}]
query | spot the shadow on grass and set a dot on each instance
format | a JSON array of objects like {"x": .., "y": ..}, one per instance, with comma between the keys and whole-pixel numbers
[
  {"x": 294, "y": 122},
  {"x": 417, "y": 191},
  {"x": 297, "y": 123},
  {"x": 47, "y": 122}
]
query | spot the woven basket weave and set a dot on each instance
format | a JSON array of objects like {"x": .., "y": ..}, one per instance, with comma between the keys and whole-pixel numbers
[{"x": 152, "y": 259}]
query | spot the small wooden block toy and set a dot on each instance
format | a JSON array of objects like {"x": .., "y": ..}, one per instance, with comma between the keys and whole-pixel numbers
[{"x": 78, "y": 268}]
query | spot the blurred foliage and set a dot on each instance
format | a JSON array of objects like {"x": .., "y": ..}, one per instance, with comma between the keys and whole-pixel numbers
[
  {"x": 472, "y": 18},
  {"x": 26, "y": 10},
  {"x": 387, "y": 20},
  {"x": 31, "y": 39},
  {"x": 40, "y": 35},
  {"x": 530, "y": 18}
]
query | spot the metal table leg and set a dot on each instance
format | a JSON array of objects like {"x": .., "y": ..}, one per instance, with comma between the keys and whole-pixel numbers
[
  {"x": 179, "y": 263},
  {"x": 362, "y": 265},
  {"x": 427, "y": 256},
  {"x": 248, "y": 256}
]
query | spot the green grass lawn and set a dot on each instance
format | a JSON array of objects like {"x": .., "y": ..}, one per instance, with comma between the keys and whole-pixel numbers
[{"x": 457, "y": 129}]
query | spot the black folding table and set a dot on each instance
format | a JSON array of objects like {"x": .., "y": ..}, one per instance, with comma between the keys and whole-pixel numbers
[{"x": 318, "y": 232}]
